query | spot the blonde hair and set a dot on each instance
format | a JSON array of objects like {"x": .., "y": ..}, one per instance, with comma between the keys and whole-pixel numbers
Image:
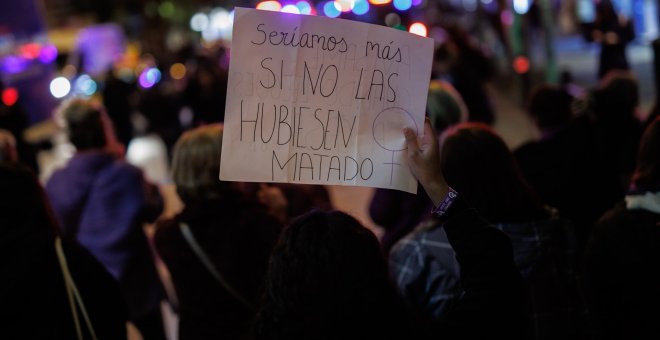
[{"x": 196, "y": 164}]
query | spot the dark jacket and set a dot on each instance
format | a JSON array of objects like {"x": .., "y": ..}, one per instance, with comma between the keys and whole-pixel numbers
[
  {"x": 102, "y": 203},
  {"x": 491, "y": 306},
  {"x": 426, "y": 271},
  {"x": 238, "y": 238},
  {"x": 34, "y": 299},
  {"x": 622, "y": 275}
]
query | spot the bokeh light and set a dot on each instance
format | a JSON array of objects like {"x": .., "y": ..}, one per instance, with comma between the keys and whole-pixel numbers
[
  {"x": 29, "y": 51},
  {"x": 177, "y": 71},
  {"x": 220, "y": 19},
  {"x": 199, "y": 22},
  {"x": 166, "y": 9},
  {"x": 48, "y": 54},
  {"x": 402, "y": 5},
  {"x": 149, "y": 77},
  {"x": 331, "y": 10},
  {"x": 293, "y": 9},
  {"x": 521, "y": 64},
  {"x": 85, "y": 85},
  {"x": 521, "y": 6},
  {"x": 269, "y": 6},
  {"x": 304, "y": 7},
  {"x": 60, "y": 87},
  {"x": 345, "y": 5},
  {"x": 379, "y": 2},
  {"x": 506, "y": 17},
  {"x": 418, "y": 28},
  {"x": 9, "y": 96},
  {"x": 13, "y": 64},
  {"x": 361, "y": 7}
]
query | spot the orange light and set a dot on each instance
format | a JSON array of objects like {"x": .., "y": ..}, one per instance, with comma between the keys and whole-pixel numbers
[
  {"x": 344, "y": 5},
  {"x": 177, "y": 71},
  {"x": 521, "y": 65},
  {"x": 9, "y": 96},
  {"x": 275, "y": 6},
  {"x": 418, "y": 28},
  {"x": 379, "y": 2}
]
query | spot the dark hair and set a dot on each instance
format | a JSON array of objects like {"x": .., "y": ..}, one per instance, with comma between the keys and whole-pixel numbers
[
  {"x": 478, "y": 164},
  {"x": 84, "y": 124},
  {"x": 647, "y": 173},
  {"x": 328, "y": 279},
  {"x": 196, "y": 165},
  {"x": 616, "y": 98},
  {"x": 549, "y": 106},
  {"x": 24, "y": 208}
]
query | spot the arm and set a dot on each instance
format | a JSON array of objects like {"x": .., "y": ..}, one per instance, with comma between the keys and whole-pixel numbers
[{"x": 492, "y": 302}]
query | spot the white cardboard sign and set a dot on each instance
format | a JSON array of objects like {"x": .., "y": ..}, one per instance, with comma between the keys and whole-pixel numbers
[{"x": 316, "y": 100}]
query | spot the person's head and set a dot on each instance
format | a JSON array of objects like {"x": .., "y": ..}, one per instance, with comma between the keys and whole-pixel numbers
[
  {"x": 605, "y": 11},
  {"x": 84, "y": 124},
  {"x": 478, "y": 164},
  {"x": 549, "y": 106},
  {"x": 616, "y": 98},
  {"x": 196, "y": 165},
  {"x": 24, "y": 208},
  {"x": 444, "y": 105},
  {"x": 8, "y": 151},
  {"x": 327, "y": 275},
  {"x": 646, "y": 177}
]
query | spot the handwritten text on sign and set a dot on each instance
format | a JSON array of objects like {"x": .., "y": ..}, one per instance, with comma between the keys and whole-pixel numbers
[{"x": 322, "y": 101}]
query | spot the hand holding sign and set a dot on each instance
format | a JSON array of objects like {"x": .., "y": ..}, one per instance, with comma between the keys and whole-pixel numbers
[{"x": 322, "y": 101}]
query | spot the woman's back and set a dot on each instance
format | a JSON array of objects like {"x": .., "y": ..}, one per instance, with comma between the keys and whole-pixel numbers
[{"x": 237, "y": 238}]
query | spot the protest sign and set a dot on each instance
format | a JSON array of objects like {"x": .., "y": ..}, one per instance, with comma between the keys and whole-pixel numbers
[{"x": 322, "y": 101}]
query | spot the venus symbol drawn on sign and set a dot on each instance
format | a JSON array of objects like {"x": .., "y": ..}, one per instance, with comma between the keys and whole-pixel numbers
[{"x": 388, "y": 132}]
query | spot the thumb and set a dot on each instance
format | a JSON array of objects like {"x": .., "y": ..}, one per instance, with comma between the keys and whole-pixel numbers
[{"x": 411, "y": 140}]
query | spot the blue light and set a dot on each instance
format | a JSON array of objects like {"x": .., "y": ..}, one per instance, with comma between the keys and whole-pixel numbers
[
  {"x": 331, "y": 10},
  {"x": 402, "y": 5},
  {"x": 361, "y": 7},
  {"x": 304, "y": 7}
]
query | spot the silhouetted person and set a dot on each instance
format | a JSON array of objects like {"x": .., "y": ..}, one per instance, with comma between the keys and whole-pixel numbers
[
  {"x": 621, "y": 276},
  {"x": 567, "y": 166},
  {"x": 613, "y": 32},
  {"x": 15, "y": 120},
  {"x": 35, "y": 302},
  {"x": 480, "y": 167},
  {"x": 103, "y": 202},
  {"x": 398, "y": 212},
  {"x": 327, "y": 278},
  {"x": 468, "y": 70},
  {"x": 217, "y": 248},
  {"x": 206, "y": 92}
]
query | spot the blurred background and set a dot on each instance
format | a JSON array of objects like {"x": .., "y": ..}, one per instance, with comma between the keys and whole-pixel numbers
[{"x": 160, "y": 67}]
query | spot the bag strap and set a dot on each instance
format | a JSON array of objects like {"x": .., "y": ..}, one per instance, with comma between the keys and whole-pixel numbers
[
  {"x": 197, "y": 249},
  {"x": 73, "y": 293}
]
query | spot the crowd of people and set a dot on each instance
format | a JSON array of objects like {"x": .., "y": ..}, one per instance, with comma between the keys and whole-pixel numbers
[{"x": 556, "y": 239}]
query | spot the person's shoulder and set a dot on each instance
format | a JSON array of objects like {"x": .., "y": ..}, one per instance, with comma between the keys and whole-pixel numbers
[{"x": 426, "y": 236}]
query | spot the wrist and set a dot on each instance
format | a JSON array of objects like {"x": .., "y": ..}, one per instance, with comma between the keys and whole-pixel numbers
[{"x": 437, "y": 189}]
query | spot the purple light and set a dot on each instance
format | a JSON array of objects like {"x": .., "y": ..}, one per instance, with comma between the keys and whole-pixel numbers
[
  {"x": 149, "y": 77},
  {"x": 48, "y": 54},
  {"x": 416, "y": 2},
  {"x": 13, "y": 64}
]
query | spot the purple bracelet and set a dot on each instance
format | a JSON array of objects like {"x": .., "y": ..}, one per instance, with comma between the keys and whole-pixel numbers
[{"x": 444, "y": 205}]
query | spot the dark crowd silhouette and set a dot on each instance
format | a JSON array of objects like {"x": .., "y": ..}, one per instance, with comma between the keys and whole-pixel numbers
[{"x": 556, "y": 239}]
